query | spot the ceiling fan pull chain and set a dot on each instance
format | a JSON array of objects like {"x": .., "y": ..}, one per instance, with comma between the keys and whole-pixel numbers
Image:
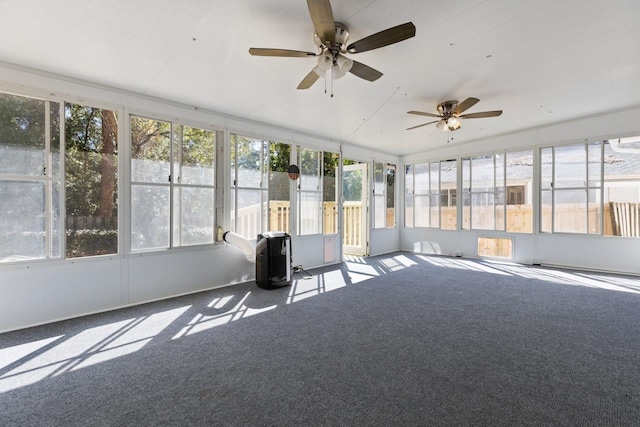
[
  {"x": 332, "y": 81},
  {"x": 325, "y": 81}
]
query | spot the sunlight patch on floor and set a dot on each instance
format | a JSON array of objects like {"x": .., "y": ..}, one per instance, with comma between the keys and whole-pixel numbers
[
  {"x": 592, "y": 280},
  {"x": 202, "y": 322},
  {"x": 316, "y": 285},
  {"x": 11, "y": 355},
  {"x": 84, "y": 349},
  {"x": 362, "y": 269}
]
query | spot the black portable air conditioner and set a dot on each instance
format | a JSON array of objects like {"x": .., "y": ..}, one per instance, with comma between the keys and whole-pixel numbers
[{"x": 273, "y": 260}]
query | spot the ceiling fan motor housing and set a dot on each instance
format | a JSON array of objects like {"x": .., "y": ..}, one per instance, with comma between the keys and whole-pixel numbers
[
  {"x": 340, "y": 44},
  {"x": 446, "y": 108}
]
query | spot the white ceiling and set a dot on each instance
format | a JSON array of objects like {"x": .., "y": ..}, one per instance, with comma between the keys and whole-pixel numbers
[{"x": 539, "y": 61}]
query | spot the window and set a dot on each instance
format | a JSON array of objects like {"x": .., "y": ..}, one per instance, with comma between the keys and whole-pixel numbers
[
  {"x": 172, "y": 184},
  {"x": 279, "y": 187},
  {"x": 391, "y": 196},
  {"x": 519, "y": 197},
  {"x": 421, "y": 195},
  {"x": 495, "y": 247},
  {"x": 249, "y": 189},
  {"x": 309, "y": 192},
  {"x": 409, "y": 191},
  {"x": 384, "y": 195},
  {"x": 30, "y": 179},
  {"x": 448, "y": 194},
  {"x": 430, "y": 194},
  {"x": 485, "y": 195},
  {"x": 91, "y": 190},
  {"x": 497, "y": 192},
  {"x": 330, "y": 192},
  {"x": 621, "y": 169},
  {"x": 570, "y": 188}
]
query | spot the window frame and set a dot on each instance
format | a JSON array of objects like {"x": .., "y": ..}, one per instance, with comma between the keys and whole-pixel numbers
[
  {"x": 49, "y": 177},
  {"x": 172, "y": 184}
]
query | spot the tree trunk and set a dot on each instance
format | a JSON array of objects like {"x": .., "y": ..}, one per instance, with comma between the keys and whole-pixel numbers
[{"x": 108, "y": 164}]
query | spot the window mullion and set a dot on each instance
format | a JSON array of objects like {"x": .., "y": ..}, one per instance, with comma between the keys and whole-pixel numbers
[{"x": 170, "y": 183}]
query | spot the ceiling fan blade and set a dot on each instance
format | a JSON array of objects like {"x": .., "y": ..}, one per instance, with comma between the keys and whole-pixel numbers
[
  {"x": 422, "y": 113},
  {"x": 308, "y": 81},
  {"x": 258, "y": 51},
  {"x": 365, "y": 72},
  {"x": 322, "y": 17},
  {"x": 424, "y": 124},
  {"x": 481, "y": 114},
  {"x": 465, "y": 105},
  {"x": 383, "y": 38}
]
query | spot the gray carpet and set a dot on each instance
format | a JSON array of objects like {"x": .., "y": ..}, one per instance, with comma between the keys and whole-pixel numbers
[{"x": 400, "y": 339}]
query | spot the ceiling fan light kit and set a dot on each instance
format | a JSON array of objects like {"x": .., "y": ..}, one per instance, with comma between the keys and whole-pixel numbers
[{"x": 331, "y": 39}]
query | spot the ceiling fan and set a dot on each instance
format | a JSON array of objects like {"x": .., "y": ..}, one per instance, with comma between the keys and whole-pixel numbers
[
  {"x": 331, "y": 39},
  {"x": 450, "y": 113}
]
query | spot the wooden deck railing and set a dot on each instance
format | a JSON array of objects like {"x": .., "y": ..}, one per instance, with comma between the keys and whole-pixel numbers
[{"x": 619, "y": 219}]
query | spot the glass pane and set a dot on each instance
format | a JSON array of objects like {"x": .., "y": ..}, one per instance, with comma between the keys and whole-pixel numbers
[
  {"x": 500, "y": 210},
  {"x": 279, "y": 187},
  {"x": 546, "y": 168},
  {"x": 408, "y": 179},
  {"x": 150, "y": 150},
  {"x": 495, "y": 247},
  {"x": 379, "y": 210},
  {"x": 22, "y": 223},
  {"x": 519, "y": 191},
  {"x": 571, "y": 166},
  {"x": 352, "y": 185},
  {"x": 91, "y": 167},
  {"x": 198, "y": 148},
  {"x": 421, "y": 210},
  {"x": 310, "y": 211},
  {"x": 330, "y": 208},
  {"x": 250, "y": 159},
  {"x": 546, "y": 217},
  {"x": 466, "y": 194},
  {"x": 378, "y": 178},
  {"x": 250, "y": 213},
  {"x": 22, "y": 135},
  {"x": 595, "y": 164},
  {"x": 434, "y": 178},
  {"x": 448, "y": 184},
  {"x": 149, "y": 217},
  {"x": 621, "y": 187},
  {"x": 482, "y": 176},
  {"x": 408, "y": 210},
  {"x": 54, "y": 114},
  {"x": 391, "y": 196},
  {"x": 193, "y": 216},
  {"x": 500, "y": 172},
  {"x": 421, "y": 178},
  {"x": 483, "y": 211},
  {"x": 594, "y": 212},
  {"x": 570, "y": 211},
  {"x": 434, "y": 211},
  {"x": 309, "y": 169},
  {"x": 56, "y": 226}
]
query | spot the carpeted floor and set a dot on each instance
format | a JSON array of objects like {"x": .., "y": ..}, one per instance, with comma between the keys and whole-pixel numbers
[{"x": 401, "y": 339}]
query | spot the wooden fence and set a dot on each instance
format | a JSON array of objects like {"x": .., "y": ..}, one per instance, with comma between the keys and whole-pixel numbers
[{"x": 75, "y": 223}]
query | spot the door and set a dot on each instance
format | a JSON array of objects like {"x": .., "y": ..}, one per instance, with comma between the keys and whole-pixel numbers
[{"x": 354, "y": 208}]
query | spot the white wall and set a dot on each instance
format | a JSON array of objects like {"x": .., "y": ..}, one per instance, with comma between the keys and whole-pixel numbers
[{"x": 605, "y": 253}]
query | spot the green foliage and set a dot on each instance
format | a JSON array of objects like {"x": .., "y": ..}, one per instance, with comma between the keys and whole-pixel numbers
[
  {"x": 198, "y": 146},
  {"x": 91, "y": 242},
  {"x": 85, "y": 162},
  {"x": 22, "y": 121},
  {"x": 150, "y": 139}
]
